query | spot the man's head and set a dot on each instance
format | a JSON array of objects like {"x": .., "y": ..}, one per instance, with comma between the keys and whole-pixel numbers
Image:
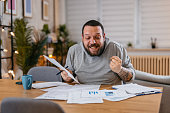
[{"x": 93, "y": 37}]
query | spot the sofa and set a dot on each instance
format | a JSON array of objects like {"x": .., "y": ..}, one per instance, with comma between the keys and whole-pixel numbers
[{"x": 148, "y": 79}]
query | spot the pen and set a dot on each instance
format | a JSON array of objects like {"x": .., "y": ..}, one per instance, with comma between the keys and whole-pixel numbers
[
  {"x": 61, "y": 71},
  {"x": 148, "y": 93}
]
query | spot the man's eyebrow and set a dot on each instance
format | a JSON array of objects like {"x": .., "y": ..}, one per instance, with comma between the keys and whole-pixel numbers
[
  {"x": 86, "y": 34},
  {"x": 96, "y": 33}
]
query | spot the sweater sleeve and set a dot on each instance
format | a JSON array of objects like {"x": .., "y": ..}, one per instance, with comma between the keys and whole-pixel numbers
[
  {"x": 69, "y": 59},
  {"x": 126, "y": 63}
]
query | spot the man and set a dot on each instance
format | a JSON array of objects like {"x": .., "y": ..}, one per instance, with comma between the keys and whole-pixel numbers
[{"x": 96, "y": 60}]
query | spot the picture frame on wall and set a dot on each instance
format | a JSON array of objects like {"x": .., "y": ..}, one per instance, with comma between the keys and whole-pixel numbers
[
  {"x": 45, "y": 10},
  {"x": 27, "y": 8},
  {"x": 7, "y": 7}
]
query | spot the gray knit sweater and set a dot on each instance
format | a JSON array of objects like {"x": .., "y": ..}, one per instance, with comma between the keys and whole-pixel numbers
[{"x": 96, "y": 69}]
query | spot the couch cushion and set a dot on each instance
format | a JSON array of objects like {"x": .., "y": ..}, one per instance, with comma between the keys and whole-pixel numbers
[
  {"x": 164, "y": 79},
  {"x": 165, "y": 100},
  {"x": 149, "y": 83}
]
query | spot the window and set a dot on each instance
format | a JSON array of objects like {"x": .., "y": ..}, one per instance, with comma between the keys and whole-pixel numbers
[
  {"x": 155, "y": 22},
  {"x": 77, "y": 13},
  {"x": 118, "y": 20},
  {"x": 134, "y": 21}
]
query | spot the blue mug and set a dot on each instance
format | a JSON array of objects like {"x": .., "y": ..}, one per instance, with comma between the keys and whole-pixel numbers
[{"x": 27, "y": 81}]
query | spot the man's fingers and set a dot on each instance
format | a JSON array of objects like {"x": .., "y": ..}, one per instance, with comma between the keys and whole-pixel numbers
[
  {"x": 113, "y": 63},
  {"x": 60, "y": 69},
  {"x": 115, "y": 59},
  {"x": 64, "y": 72}
]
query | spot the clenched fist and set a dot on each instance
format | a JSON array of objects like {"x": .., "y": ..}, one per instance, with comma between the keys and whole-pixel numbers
[{"x": 115, "y": 64}]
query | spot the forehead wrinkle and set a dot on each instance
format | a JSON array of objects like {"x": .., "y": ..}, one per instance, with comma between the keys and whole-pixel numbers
[{"x": 92, "y": 29}]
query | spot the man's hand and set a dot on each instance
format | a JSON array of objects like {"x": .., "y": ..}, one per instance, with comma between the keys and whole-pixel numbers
[
  {"x": 65, "y": 76},
  {"x": 115, "y": 64}
]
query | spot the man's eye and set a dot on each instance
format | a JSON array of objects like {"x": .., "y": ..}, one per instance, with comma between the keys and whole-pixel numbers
[
  {"x": 87, "y": 38},
  {"x": 97, "y": 37}
]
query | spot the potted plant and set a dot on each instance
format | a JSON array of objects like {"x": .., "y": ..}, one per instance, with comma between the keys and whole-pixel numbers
[
  {"x": 63, "y": 43},
  {"x": 28, "y": 43},
  {"x": 49, "y": 49},
  {"x": 153, "y": 43},
  {"x": 129, "y": 45}
]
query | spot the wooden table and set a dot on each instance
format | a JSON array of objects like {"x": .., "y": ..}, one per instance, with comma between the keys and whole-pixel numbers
[{"x": 139, "y": 104}]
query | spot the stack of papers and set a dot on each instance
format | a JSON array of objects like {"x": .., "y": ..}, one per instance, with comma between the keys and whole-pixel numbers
[
  {"x": 137, "y": 89},
  {"x": 71, "y": 93},
  {"x": 76, "y": 98},
  {"x": 97, "y": 96},
  {"x": 103, "y": 93},
  {"x": 83, "y": 94},
  {"x": 111, "y": 95},
  {"x": 54, "y": 95},
  {"x": 47, "y": 84}
]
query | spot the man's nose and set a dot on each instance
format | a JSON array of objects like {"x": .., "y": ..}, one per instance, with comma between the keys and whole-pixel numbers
[{"x": 92, "y": 41}]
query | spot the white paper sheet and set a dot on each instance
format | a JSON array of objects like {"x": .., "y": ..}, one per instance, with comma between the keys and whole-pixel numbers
[
  {"x": 60, "y": 66},
  {"x": 67, "y": 87},
  {"x": 119, "y": 98},
  {"x": 47, "y": 84},
  {"x": 61, "y": 92},
  {"x": 85, "y": 87},
  {"x": 136, "y": 89},
  {"x": 75, "y": 97},
  {"x": 111, "y": 95},
  {"x": 74, "y": 87},
  {"x": 54, "y": 95},
  {"x": 104, "y": 93}
]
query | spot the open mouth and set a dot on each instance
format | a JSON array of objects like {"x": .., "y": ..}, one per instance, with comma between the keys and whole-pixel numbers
[
  {"x": 94, "y": 49},
  {"x": 94, "y": 46}
]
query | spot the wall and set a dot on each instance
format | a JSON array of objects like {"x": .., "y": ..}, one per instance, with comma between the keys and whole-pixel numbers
[
  {"x": 60, "y": 13},
  {"x": 134, "y": 21},
  {"x": 36, "y": 21}
]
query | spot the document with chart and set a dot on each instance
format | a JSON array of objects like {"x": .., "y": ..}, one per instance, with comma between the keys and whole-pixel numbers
[
  {"x": 137, "y": 89},
  {"x": 60, "y": 66}
]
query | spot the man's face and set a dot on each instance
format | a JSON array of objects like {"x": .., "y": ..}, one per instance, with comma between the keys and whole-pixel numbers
[{"x": 93, "y": 40}]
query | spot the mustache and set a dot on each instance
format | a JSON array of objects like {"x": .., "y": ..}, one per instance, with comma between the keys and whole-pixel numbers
[{"x": 93, "y": 45}]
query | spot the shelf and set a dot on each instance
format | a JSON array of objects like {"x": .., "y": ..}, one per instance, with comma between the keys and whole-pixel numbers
[
  {"x": 5, "y": 57},
  {"x": 5, "y": 26},
  {"x": 154, "y": 50}
]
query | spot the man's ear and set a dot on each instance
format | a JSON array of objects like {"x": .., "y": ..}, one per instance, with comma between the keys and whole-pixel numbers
[
  {"x": 82, "y": 36},
  {"x": 104, "y": 36}
]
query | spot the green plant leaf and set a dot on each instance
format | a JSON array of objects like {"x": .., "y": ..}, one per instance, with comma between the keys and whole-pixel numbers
[{"x": 29, "y": 50}]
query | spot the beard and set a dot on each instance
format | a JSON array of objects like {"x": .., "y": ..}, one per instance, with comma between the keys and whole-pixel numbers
[{"x": 98, "y": 53}]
